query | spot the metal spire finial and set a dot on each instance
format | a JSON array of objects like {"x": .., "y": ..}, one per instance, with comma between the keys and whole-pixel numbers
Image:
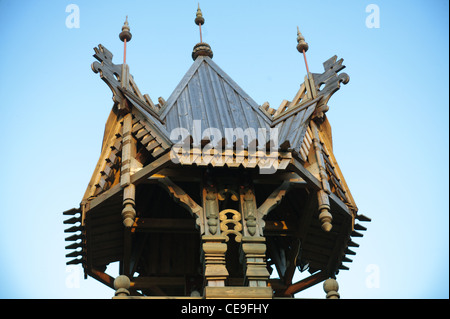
[
  {"x": 125, "y": 36},
  {"x": 199, "y": 20},
  {"x": 302, "y": 47},
  {"x": 201, "y": 48}
]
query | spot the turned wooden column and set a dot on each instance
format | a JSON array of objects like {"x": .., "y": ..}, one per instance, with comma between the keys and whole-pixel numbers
[
  {"x": 213, "y": 243},
  {"x": 129, "y": 190},
  {"x": 325, "y": 216},
  {"x": 214, "y": 249},
  {"x": 254, "y": 249}
]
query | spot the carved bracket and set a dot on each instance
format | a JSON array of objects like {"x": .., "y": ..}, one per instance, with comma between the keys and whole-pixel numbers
[
  {"x": 180, "y": 196},
  {"x": 110, "y": 73},
  {"x": 274, "y": 199},
  {"x": 328, "y": 82}
]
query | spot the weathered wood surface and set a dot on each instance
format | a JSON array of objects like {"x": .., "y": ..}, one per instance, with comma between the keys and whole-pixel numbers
[{"x": 207, "y": 94}]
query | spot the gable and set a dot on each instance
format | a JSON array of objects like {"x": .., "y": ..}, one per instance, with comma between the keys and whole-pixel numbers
[{"x": 209, "y": 96}]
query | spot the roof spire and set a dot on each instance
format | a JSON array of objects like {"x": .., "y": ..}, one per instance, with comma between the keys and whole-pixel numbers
[
  {"x": 302, "y": 47},
  {"x": 201, "y": 48},
  {"x": 125, "y": 36},
  {"x": 199, "y": 20}
]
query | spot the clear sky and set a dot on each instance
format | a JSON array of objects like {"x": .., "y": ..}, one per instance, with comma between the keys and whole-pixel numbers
[{"x": 390, "y": 123}]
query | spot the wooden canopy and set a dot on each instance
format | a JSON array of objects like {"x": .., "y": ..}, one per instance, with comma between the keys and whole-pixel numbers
[{"x": 163, "y": 213}]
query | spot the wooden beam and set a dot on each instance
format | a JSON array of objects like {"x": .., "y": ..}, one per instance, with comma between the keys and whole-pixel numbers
[
  {"x": 165, "y": 225},
  {"x": 277, "y": 228},
  {"x": 181, "y": 197},
  {"x": 291, "y": 257},
  {"x": 305, "y": 283},
  {"x": 103, "y": 196},
  {"x": 278, "y": 257},
  {"x": 152, "y": 168},
  {"x": 146, "y": 282},
  {"x": 178, "y": 225},
  {"x": 102, "y": 277},
  {"x": 136, "y": 100},
  {"x": 298, "y": 168},
  {"x": 274, "y": 199},
  {"x": 278, "y": 118}
]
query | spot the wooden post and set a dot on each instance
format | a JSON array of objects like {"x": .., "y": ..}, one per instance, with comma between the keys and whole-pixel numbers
[
  {"x": 324, "y": 208},
  {"x": 128, "y": 160},
  {"x": 324, "y": 204},
  {"x": 256, "y": 273},
  {"x": 129, "y": 190},
  {"x": 253, "y": 244},
  {"x": 214, "y": 249}
]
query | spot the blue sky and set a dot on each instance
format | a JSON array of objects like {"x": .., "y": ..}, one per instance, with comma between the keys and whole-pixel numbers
[{"x": 390, "y": 123}]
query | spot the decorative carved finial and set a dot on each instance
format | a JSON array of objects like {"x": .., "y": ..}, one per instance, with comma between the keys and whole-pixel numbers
[
  {"x": 128, "y": 212},
  {"x": 302, "y": 45},
  {"x": 122, "y": 284},
  {"x": 325, "y": 217},
  {"x": 199, "y": 20},
  {"x": 331, "y": 287},
  {"x": 125, "y": 35},
  {"x": 201, "y": 49}
]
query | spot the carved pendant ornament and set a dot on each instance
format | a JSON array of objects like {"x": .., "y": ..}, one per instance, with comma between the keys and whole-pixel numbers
[
  {"x": 230, "y": 223},
  {"x": 249, "y": 209},
  {"x": 211, "y": 209}
]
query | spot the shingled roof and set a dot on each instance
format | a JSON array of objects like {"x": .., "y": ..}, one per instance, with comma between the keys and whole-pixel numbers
[{"x": 208, "y": 94}]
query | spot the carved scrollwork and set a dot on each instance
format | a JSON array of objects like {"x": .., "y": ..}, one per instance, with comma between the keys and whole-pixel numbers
[
  {"x": 328, "y": 82},
  {"x": 110, "y": 73},
  {"x": 231, "y": 217},
  {"x": 222, "y": 195}
]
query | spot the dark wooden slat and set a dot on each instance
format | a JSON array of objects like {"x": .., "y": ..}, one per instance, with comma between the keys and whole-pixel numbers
[
  {"x": 145, "y": 282},
  {"x": 305, "y": 283},
  {"x": 102, "y": 277}
]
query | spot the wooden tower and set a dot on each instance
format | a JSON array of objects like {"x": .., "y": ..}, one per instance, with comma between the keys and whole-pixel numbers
[{"x": 206, "y": 194}]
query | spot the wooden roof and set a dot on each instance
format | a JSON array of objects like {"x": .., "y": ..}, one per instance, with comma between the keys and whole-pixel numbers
[{"x": 208, "y": 94}]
